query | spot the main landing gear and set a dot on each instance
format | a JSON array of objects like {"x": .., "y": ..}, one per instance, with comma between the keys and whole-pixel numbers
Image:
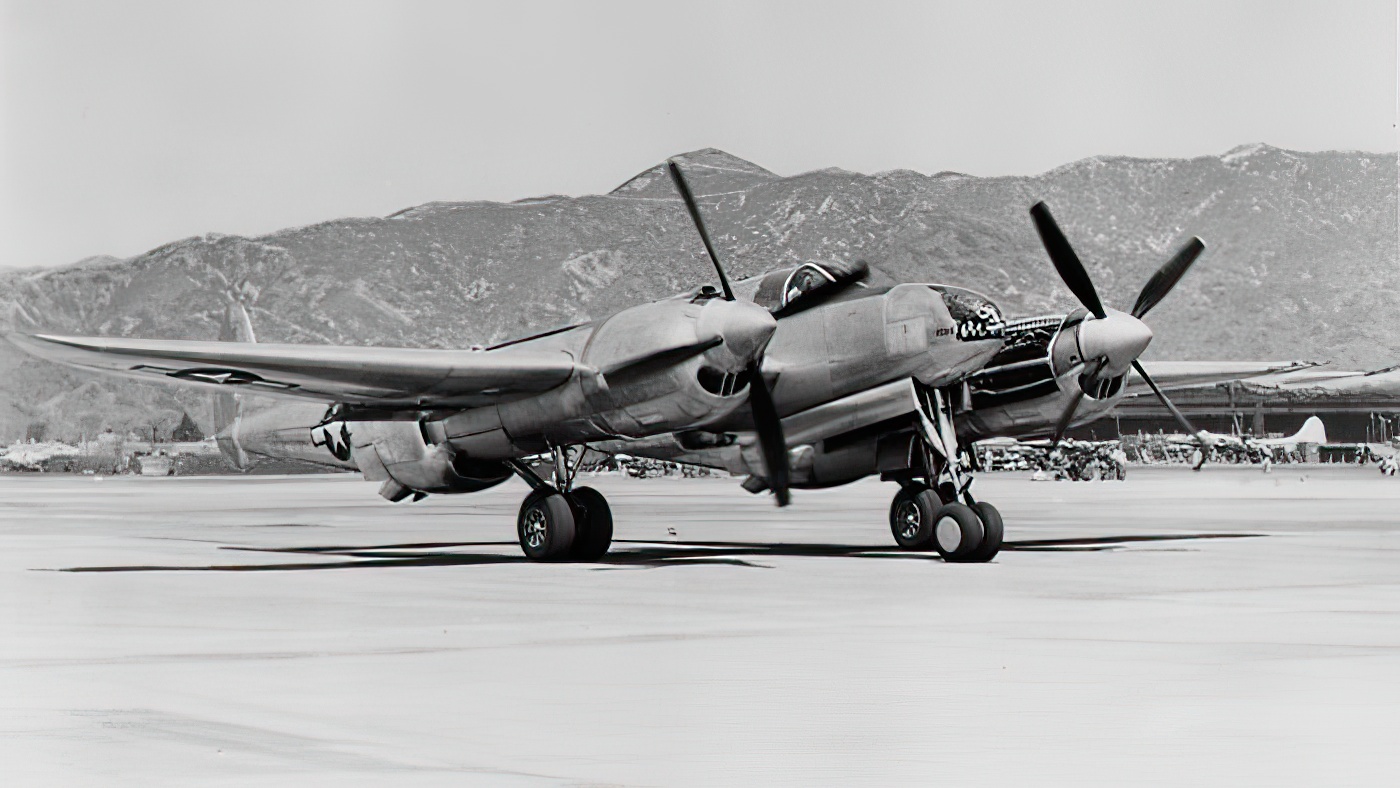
[
  {"x": 561, "y": 522},
  {"x": 934, "y": 508}
]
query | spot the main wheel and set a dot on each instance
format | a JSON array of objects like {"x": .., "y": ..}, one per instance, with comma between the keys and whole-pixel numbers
[
  {"x": 593, "y": 524},
  {"x": 545, "y": 525},
  {"x": 957, "y": 532},
  {"x": 912, "y": 515},
  {"x": 992, "y": 533}
]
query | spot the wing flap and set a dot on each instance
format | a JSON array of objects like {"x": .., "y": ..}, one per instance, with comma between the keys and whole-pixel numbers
[{"x": 382, "y": 377}]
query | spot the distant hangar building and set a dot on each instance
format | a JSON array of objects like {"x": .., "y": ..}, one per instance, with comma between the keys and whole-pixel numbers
[{"x": 1356, "y": 407}]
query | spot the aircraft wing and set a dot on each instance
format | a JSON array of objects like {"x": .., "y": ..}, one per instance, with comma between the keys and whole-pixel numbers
[
  {"x": 391, "y": 378},
  {"x": 1184, "y": 374}
]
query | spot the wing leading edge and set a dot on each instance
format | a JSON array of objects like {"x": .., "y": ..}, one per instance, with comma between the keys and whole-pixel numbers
[
  {"x": 407, "y": 378},
  {"x": 1185, "y": 374}
]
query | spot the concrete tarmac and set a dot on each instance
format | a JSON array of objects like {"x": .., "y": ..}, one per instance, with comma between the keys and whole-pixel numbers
[{"x": 1215, "y": 628}]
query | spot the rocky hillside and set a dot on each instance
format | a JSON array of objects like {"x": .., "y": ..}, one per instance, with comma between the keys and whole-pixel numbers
[{"x": 1301, "y": 263}]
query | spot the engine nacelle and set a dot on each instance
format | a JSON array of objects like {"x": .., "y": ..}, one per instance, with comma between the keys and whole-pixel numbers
[
  {"x": 674, "y": 395},
  {"x": 813, "y": 465},
  {"x": 397, "y": 453},
  {"x": 651, "y": 369},
  {"x": 823, "y": 466}
]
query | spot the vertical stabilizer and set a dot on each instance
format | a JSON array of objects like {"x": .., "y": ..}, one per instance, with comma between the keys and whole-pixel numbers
[
  {"x": 1312, "y": 431},
  {"x": 228, "y": 406},
  {"x": 238, "y": 326}
]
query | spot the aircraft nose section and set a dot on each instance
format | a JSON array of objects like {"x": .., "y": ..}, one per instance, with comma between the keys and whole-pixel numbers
[
  {"x": 1118, "y": 337},
  {"x": 745, "y": 328},
  {"x": 983, "y": 351}
]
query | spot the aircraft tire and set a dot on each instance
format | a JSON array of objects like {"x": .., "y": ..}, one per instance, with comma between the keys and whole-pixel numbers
[
  {"x": 545, "y": 526},
  {"x": 957, "y": 532},
  {"x": 593, "y": 525},
  {"x": 912, "y": 515},
  {"x": 992, "y": 533}
]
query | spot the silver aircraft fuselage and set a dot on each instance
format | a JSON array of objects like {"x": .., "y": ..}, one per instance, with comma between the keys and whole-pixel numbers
[{"x": 859, "y": 341}]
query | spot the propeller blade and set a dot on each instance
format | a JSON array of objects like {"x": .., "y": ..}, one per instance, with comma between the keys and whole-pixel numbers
[
  {"x": 1066, "y": 418},
  {"x": 689, "y": 200},
  {"x": 1066, "y": 261},
  {"x": 1167, "y": 276},
  {"x": 1180, "y": 417},
  {"x": 770, "y": 434},
  {"x": 1068, "y": 415}
]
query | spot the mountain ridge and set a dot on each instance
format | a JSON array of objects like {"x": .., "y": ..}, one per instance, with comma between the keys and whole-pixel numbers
[{"x": 1301, "y": 245}]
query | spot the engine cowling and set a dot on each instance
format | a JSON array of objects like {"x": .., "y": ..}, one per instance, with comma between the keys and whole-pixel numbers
[
  {"x": 398, "y": 454},
  {"x": 681, "y": 394}
]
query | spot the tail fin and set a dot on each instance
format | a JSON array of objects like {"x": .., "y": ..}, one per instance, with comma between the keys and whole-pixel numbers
[
  {"x": 1312, "y": 431},
  {"x": 228, "y": 406},
  {"x": 237, "y": 327}
]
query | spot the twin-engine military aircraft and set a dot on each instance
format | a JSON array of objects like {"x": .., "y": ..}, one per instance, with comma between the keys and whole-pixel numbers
[{"x": 804, "y": 377}]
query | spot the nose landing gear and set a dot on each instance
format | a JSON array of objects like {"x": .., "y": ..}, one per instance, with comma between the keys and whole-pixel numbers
[
  {"x": 934, "y": 508},
  {"x": 920, "y": 522}
]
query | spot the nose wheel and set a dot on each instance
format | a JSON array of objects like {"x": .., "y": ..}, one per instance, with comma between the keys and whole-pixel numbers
[
  {"x": 934, "y": 508},
  {"x": 912, "y": 516},
  {"x": 920, "y": 521},
  {"x": 992, "y": 532}
]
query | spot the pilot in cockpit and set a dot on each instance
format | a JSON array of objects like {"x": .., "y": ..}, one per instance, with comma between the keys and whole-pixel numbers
[{"x": 803, "y": 280}]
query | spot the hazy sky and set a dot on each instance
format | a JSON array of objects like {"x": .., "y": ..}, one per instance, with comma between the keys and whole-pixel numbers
[{"x": 127, "y": 125}]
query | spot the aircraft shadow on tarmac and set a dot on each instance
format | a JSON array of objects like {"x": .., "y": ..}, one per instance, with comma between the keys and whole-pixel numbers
[{"x": 626, "y": 553}]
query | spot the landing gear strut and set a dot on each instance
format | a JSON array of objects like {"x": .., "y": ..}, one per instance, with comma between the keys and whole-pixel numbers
[
  {"x": 561, "y": 522},
  {"x": 934, "y": 508}
]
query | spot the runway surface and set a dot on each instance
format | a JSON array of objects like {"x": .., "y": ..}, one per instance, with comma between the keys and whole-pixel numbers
[{"x": 1220, "y": 628}]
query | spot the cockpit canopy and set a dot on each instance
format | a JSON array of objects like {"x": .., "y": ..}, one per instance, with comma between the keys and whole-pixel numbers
[
  {"x": 793, "y": 289},
  {"x": 804, "y": 279}
]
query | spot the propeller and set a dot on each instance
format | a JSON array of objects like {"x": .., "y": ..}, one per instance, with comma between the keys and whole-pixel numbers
[
  {"x": 1180, "y": 417},
  {"x": 1166, "y": 277},
  {"x": 844, "y": 274},
  {"x": 1065, "y": 260},
  {"x": 1111, "y": 341},
  {"x": 1068, "y": 415},
  {"x": 767, "y": 425},
  {"x": 694, "y": 209},
  {"x": 770, "y": 434}
]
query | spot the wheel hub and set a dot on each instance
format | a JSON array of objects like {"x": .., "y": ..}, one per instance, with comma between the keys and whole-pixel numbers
[
  {"x": 909, "y": 520},
  {"x": 536, "y": 527},
  {"x": 949, "y": 534}
]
